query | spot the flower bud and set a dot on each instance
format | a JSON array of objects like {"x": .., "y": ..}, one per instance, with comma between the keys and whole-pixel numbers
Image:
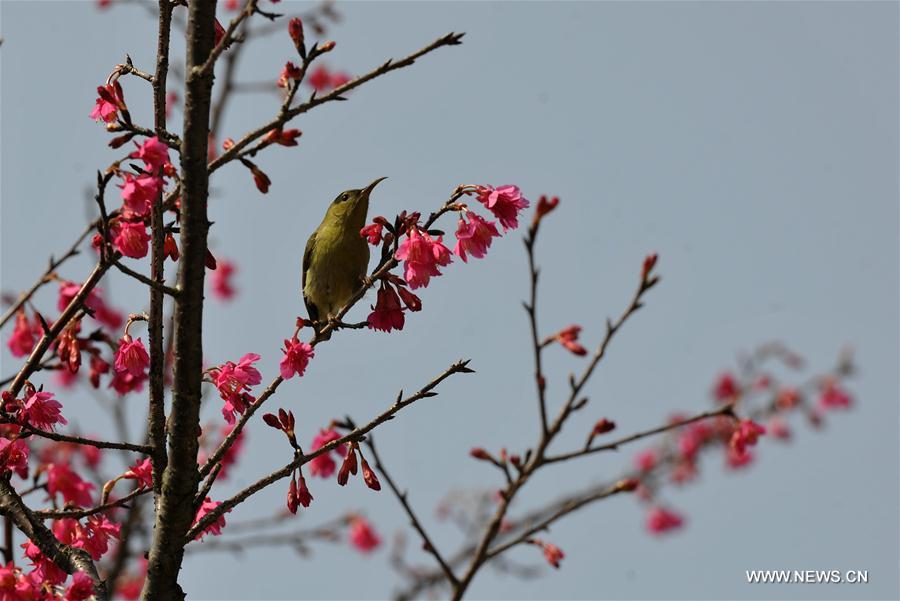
[
  {"x": 480, "y": 454},
  {"x": 369, "y": 476},
  {"x": 649, "y": 264},
  {"x": 272, "y": 421},
  {"x": 295, "y": 30},
  {"x": 627, "y": 485},
  {"x": 603, "y": 426}
]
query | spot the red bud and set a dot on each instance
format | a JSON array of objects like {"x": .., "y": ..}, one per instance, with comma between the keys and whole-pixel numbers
[
  {"x": 272, "y": 420},
  {"x": 603, "y": 426},
  {"x": 369, "y": 476}
]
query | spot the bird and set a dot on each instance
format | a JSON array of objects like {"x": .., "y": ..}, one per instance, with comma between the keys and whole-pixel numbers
[{"x": 336, "y": 257}]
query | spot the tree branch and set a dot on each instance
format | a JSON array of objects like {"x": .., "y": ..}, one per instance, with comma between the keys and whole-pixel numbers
[
  {"x": 175, "y": 510},
  {"x": 67, "y": 558},
  {"x": 355, "y": 435}
]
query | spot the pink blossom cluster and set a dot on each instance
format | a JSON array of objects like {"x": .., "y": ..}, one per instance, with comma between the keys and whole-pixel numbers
[
  {"x": 423, "y": 252},
  {"x": 737, "y": 436},
  {"x": 233, "y": 381}
]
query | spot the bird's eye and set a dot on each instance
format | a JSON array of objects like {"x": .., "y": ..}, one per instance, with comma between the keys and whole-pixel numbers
[{"x": 344, "y": 197}]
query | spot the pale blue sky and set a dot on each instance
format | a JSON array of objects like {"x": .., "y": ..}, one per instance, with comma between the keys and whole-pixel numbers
[{"x": 753, "y": 145}]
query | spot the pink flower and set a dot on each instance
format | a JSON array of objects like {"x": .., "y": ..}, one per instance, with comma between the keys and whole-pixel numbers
[
  {"x": 14, "y": 456},
  {"x": 234, "y": 381},
  {"x": 737, "y": 458},
  {"x": 123, "y": 382},
  {"x": 339, "y": 78},
  {"x": 110, "y": 100},
  {"x": 362, "y": 536},
  {"x": 387, "y": 314},
  {"x": 552, "y": 553},
  {"x": 81, "y": 589},
  {"x": 787, "y": 398},
  {"x": 139, "y": 193},
  {"x": 568, "y": 338},
  {"x": 372, "y": 233},
  {"x": 131, "y": 239},
  {"x": 94, "y": 536},
  {"x": 660, "y": 520},
  {"x": 22, "y": 340},
  {"x": 132, "y": 357},
  {"x": 215, "y": 528},
  {"x": 62, "y": 480},
  {"x": 16, "y": 586},
  {"x": 422, "y": 255},
  {"x": 692, "y": 438},
  {"x": 69, "y": 290},
  {"x": 834, "y": 397},
  {"x": 474, "y": 236},
  {"x": 44, "y": 570},
  {"x": 296, "y": 357},
  {"x": 324, "y": 465},
  {"x": 746, "y": 434},
  {"x": 41, "y": 410},
  {"x": 291, "y": 72},
  {"x": 321, "y": 79},
  {"x": 504, "y": 202},
  {"x": 221, "y": 280},
  {"x": 726, "y": 388},
  {"x": 154, "y": 153},
  {"x": 646, "y": 460},
  {"x": 142, "y": 472}
]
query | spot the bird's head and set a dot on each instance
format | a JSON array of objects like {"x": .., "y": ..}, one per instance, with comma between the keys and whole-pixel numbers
[{"x": 352, "y": 205}]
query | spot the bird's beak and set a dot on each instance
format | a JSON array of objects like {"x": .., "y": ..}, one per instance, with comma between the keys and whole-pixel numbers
[{"x": 368, "y": 189}]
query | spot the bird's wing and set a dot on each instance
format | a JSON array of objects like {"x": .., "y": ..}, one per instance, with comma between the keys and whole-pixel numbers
[{"x": 307, "y": 261}]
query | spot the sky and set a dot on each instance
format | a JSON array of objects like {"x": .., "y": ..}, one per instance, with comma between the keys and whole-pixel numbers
[{"x": 754, "y": 146}]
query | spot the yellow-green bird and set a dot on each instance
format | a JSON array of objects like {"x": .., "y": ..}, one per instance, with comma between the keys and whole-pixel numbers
[{"x": 336, "y": 256}]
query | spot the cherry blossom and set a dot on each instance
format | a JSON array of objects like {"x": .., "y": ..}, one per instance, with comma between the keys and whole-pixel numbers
[
  {"x": 504, "y": 202},
  {"x": 474, "y": 236},
  {"x": 23, "y": 337},
  {"x": 362, "y": 535},
  {"x": 154, "y": 153},
  {"x": 422, "y": 255},
  {"x": 42, "y": 411},
  {"x": 661, "y": 520},
  {"x": 62, "y": 480},
  {"x": 221, "y": 280},
  {"x": 324, "y": 465},
  {"x": 132, "y": 357},
  {"x": 140, "y": 192},
  {"x": 214, "y": 528},
  {"x": 296, "y": 357},
  {"x": 387, "y": 314}
]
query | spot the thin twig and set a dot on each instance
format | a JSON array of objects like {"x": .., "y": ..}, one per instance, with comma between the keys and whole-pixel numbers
[{"x": 428, "y": 545}]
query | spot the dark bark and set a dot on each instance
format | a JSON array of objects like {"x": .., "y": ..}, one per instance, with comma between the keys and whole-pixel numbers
[
  {"x": 175, "y": 504},
  {"x": 156, "y": 416}
]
